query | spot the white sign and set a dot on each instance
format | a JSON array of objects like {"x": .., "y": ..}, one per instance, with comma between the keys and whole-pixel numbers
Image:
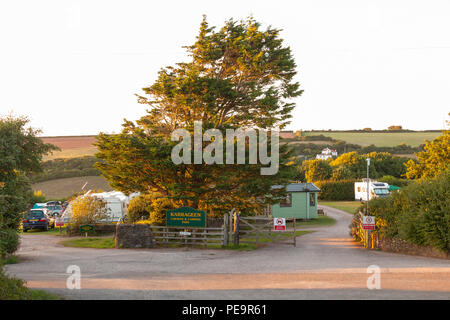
[
  {"x": 279, "y": 224},
  {"x": 368, "y": 222},
  {"x": 185, "y": 233}
]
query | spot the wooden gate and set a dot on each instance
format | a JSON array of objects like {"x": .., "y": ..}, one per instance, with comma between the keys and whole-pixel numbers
[
  {"x": 260, "y": 229},
  {"x": 165, "y": 236}
]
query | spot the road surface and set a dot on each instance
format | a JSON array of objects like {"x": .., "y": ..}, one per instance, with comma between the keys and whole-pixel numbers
[{"x": 326, "y": 264}]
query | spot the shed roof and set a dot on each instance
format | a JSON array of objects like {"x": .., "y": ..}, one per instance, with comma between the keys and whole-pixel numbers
[{"x": 299, "y": 187}]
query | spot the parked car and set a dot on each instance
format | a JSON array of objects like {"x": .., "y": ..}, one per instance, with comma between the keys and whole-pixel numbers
[
  {"x": 54, "y": 210},
  {"x": 37, "y": 219},
  {"x": 53, "y": 203}
]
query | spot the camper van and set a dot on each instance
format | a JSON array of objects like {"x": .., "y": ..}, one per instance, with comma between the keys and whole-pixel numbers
[
  {"x": 116, "y": 205},
  {"x": 376, "y": 189}
]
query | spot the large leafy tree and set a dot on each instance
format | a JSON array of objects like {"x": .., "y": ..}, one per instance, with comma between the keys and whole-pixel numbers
[
  {"x": 21, "y": 152},
  {"x": 432, "y": 161},
  {"x": 237, "y": 77},
  {"x": 353, "y": 165},
  {"x": 316, "y": 170}
]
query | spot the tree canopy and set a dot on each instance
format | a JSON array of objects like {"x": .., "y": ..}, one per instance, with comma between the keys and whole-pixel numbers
[
  {"x": 432, "y": 161},
  {"x": 21, "y": 152},
  {"x": 239, "y": 76}
]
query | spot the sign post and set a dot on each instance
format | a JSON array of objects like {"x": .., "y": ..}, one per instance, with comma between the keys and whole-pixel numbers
[
  {"x": 279, "y": 224},
  {"x": 59, "y": 222},
  {"x": 368, "y": 225},
  {"x": 368, "y": 222},
  {"x": 86, "y": 228},
  {"x": 186, "y": 217}
]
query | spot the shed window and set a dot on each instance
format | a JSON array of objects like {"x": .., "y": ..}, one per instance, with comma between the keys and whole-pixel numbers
[
  {"x": 312, "y": 199},
  {"x": 287, "y": 202}
]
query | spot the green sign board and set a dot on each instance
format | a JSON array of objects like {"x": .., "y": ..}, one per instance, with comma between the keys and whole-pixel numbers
[
  {"x": 86, "y": 228},
  {"x": 186, "y": 217}
]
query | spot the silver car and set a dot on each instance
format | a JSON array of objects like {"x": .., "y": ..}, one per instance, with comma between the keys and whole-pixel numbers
[{"x": 54, "y": 210}]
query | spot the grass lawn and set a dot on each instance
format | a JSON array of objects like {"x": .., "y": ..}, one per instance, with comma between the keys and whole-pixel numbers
[
  {"x": 347, "y": 206},
  {"x": 321, "y": 221},
  {"x": 49, "y": 232},
  {"x": 98, "y": 243}
]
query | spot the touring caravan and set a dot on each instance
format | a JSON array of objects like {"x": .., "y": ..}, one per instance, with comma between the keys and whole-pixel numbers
[
  {"x": 116, "y": 205},
  {"x": 376, "y": 189}
]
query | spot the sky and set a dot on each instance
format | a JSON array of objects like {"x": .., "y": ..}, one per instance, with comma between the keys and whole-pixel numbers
[{"x": 73, "y": 67}]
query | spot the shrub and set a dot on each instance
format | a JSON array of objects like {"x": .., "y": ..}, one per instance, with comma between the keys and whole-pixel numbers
[
  {"x": 9, "y": 241},
  {"x": 151, "y": 207},
  {"x": 395, "y": 181},
  {"x": 38, "y": 197},
  {"x": 419, "y": 213},
  {"x": 139, "y": 208},
  {"x": 12, "y": 288},
  {"x": 87, "y": 210},
  {"x": 316, "y": 170},
  {"x": 336, "y": 190}
]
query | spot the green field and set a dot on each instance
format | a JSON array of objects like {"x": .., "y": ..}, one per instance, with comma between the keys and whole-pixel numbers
[
  {"x": 63, "y": 188},
  {"x": 379, "y": 139}
]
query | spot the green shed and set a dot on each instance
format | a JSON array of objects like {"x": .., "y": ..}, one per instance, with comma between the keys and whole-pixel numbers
[{"x": 301, "y": 202}]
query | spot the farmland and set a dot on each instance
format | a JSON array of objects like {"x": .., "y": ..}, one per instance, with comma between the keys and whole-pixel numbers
[
  {"x": 379, "y": 139},
  {"x": 79, "y": 146},
  {"x": 71, "y": 147},
  {"x": 63, "y": 188}
]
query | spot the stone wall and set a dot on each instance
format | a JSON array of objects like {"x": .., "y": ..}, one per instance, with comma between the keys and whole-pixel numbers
[
  {"x": 134, "y": 236},
  {"x": 401, "y": 246}
]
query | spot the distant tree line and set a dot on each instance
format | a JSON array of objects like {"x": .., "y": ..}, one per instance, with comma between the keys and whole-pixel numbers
[
  {"x": 311, "y": 149},
  {"x": 67, "y": 168}
]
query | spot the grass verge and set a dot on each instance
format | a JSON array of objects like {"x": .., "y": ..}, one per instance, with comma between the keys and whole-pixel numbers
[
  {"x": 10, "y": 259},
  {"x": 98, "y": 243},
  {"x": 14, "y": 289},
  {"x": 54, "y": 231}
]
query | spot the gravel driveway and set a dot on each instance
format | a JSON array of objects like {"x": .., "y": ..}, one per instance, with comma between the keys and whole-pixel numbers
[{"x": 326, "y": 264}]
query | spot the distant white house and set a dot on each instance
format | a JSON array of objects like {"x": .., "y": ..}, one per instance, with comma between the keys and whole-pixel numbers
[{"x": 327, "y": 153}]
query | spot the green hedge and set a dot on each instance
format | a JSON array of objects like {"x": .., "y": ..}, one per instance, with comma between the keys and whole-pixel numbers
[
  {"x": 343, "y": 190},
  {"x": 67, "y": 168},
  {"x": 419, "y": 213},
  {"x": 9, "y": 241}
]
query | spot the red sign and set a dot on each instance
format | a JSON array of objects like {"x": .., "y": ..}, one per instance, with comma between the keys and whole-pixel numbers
[
  {"x": 368, "y": 223},
  {"x": 279, "y": 224},
  {"x": 59, "y": 222}
]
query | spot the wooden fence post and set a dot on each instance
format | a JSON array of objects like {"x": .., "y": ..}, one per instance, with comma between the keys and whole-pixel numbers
[
  {"x": 225, "y": 229},
  {"x": 236, "y": 228},
  {"x": 295, "y": 233}
]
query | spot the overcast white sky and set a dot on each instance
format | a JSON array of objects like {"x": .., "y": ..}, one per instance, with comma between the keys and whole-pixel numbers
[{"x": 74, "y": 66}]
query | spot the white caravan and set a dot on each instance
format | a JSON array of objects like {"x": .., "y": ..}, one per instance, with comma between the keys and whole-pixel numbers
[
  {"x": 116, "y": 205},
  {"x": 376, "y": 189}
]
